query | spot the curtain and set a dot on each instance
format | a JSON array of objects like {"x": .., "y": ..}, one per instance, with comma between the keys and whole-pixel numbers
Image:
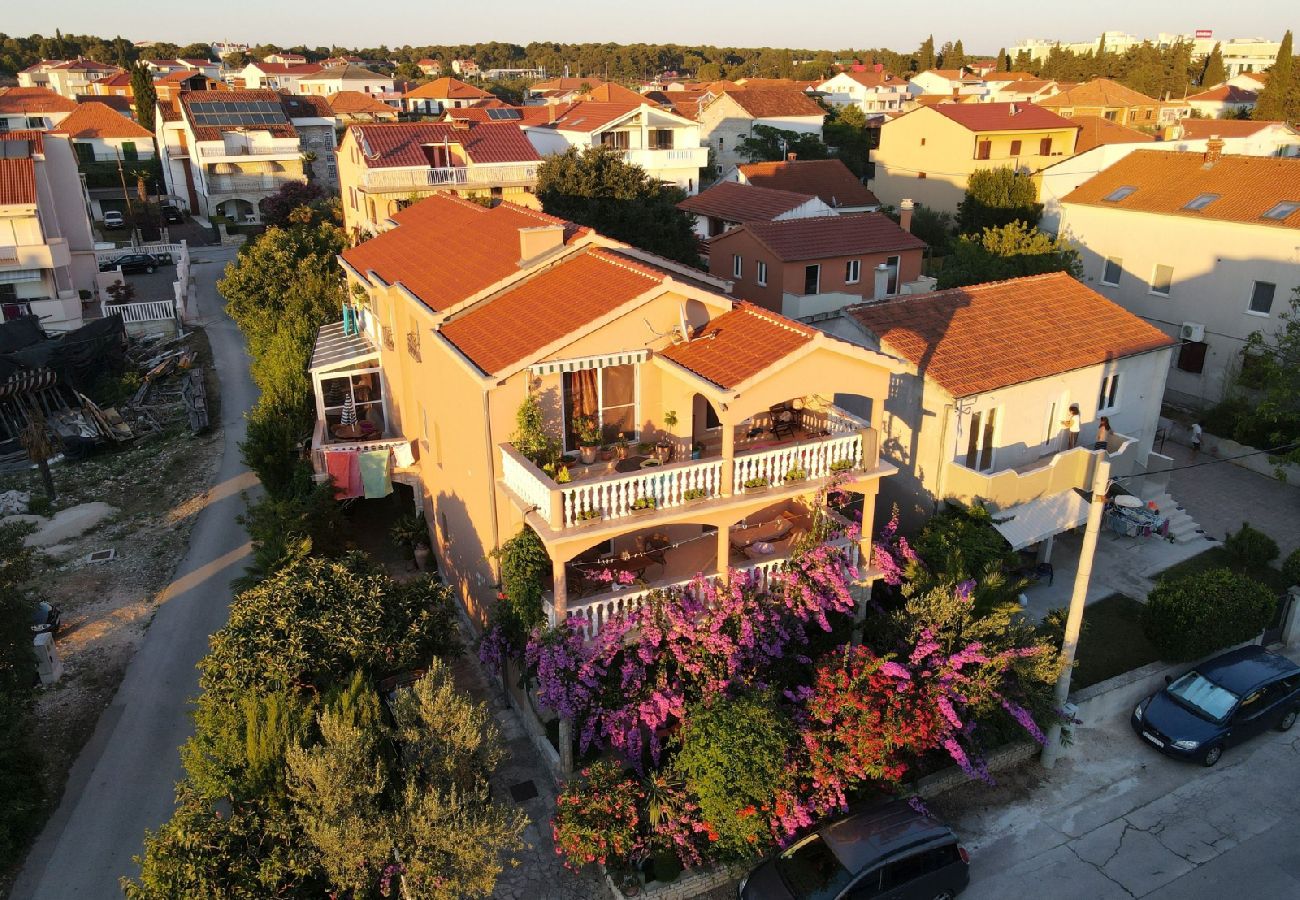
[{"x": 581, "y": 398}]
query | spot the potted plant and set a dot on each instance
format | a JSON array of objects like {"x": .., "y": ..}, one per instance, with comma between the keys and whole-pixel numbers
[
  {"x": 694, "y": 495},
  {"x": 664, "y": 446},
  {"x": 562, "y": 476},
  {"x": 697, "y": 450},
  {"x": 620, "y": 446},
  {"x": 606, "y": 452},
  {"x": 795, "y": 474},
  {"x": 411, "y": 532},
  {"x": 588, "y": 431},
  {"x": 643, "y": 505},
  {"x": 587, "y": 516},
  {"x": 843, "y": 465},
  {"x": 645, "y": 448},
  {"x": 757, "y": 485}
]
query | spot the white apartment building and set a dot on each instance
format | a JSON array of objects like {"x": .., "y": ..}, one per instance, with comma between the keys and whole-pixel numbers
[{"x": 872, "y": 92}]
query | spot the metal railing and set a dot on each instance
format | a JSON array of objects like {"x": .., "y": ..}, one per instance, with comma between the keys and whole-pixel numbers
[
  {"x": 444, "y": 176},
  {"x": 148, "y": 311},
  {"x": 249, "y": 150}
]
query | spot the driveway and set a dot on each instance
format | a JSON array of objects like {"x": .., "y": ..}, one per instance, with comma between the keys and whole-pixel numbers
[
  {"x": 122, "y": 783},
  {"x": 1116, "y": 819}
]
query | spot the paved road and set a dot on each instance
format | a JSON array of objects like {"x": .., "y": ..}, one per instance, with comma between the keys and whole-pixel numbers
[{"x": 122, "y": 782}]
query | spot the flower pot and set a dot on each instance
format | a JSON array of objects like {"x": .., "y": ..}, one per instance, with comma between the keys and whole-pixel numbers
[
  {"x": 643, "y": 511},
  {"x": 663, "y": 451},
  {"x": 421, "y": 552},
  {"x": 757, "y": 489},
  {"x": 606, "y": 454},
  {"x": 620, "y": 451},
  {"x": 591, "y": 521},
  {"x": 588, "y": 454}
]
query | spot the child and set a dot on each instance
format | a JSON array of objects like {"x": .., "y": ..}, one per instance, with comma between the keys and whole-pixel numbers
[{"x": 1196, "y": 438}]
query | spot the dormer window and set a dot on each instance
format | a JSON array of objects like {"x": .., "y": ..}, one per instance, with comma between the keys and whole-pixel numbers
[
  {"x": 1201, "y": 201},
  {"x": 1119, "y": 193},
  {"x": 1282, "y": 210}
]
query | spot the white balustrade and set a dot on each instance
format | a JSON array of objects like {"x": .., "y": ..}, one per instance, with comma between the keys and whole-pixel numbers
[
  {"x": 154, "y": 248},
  {"x": 613, "y": 498},
  {"x": 522, "y": 477},
  {"x": 814, "y": 458},
  {"x": 148, "y": 311}
]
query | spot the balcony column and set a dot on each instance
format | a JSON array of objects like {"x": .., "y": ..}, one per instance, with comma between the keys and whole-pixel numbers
[
  {"x": 728, "y": 475},
  {"x": 559, "y": 591},
  {"x": 724, "y": 552}
]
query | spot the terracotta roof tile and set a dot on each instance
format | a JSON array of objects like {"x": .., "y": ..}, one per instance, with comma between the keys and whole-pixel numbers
[
  {"x": 122, "y": 105},
  {"x": 587, "y": 116},
  {"x": 445, "y": 249},
  {"x": 289, "y": 68},
  {"x": 95, "y": 120},
  {"x": 527, "y": 115},
  {"x": 35, "y": 140},
  {"x": 517, "y": 323},
  {"x": 404, "y": 143},
  {"x": 1199, "y": 129},
  {"x": 766, "y": 102},
  {"x": 827, "y": 236},
  {"x": 17, "y": 181},
  {"x": 1226, "y": 93},
  {"x": 347, "y": 72},
  {"x": 307, "y": 106},
  {"x": 568, "y": 84},
  {"x": 616, "y": 93},
  {"x": 876, "y": 79},
  {"x": 1095, "y": 131},
  {"x": 1003, "y": 116},
  {"x": 448, "y": 89},
  {"x": 739, "y": 344},
  {"x": 1099, "y": 92},
  {"x": 1248, "y": 186},
  {"x": 34, "y": 100},
  {"x": 828, "y": 179},
  {"x": 987, "y": 336},
  {"x": 735, "y": 202},
  {"x": 346, "y": 102}
]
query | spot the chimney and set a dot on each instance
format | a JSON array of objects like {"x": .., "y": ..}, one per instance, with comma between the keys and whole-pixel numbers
[
  {"x": 1014, "y": 109},
  {"x": 550, "y": 112},
  {"x": 1213, "y": 150},
  {"x": 792, "y": 156},
  {"x": 905, "y": 214},
  {"x": 882, "y": 282},
  {"x": 538, "y": 241}
]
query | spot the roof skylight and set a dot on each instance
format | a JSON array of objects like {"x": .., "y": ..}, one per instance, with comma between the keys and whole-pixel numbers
[
  {"x": 1200, "y": 201},
  {"x": 1282, "y": 210},
  {"x": 1119, "y": 193}
]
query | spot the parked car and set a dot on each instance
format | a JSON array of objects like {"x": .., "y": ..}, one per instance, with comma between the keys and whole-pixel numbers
[
  {"x": 132, "y": 262},
  {"x": 46, "y": 618},
  {"x": 887, "y": 851},
  {"x": 114, "y": 219},
  {"x": 171, "y": 213},
  {"x": 1221, "y": 702}
]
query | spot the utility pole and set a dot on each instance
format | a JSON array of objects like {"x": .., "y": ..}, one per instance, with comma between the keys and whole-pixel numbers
[
  {"x": 1074, "y": 620},
  {"x": 130, "y": 210}
]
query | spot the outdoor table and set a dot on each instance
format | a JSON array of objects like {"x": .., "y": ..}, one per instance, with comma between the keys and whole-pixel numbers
[{"x": 631, "y": 464}]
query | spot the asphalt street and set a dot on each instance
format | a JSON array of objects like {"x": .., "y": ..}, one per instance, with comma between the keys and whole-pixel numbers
[{"x": 122, "y": 783}]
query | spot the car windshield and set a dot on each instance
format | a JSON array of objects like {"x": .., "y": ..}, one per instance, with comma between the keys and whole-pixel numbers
[
  {"x": 1203, "y": 697},
  {"x": 811, "y": 871}
]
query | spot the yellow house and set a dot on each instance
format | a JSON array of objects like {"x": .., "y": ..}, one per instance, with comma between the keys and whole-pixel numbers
[
  {"x": 384, "y": 167},
  {"x": 928, "y": 154},
  {"x": 733, "y": 416}
]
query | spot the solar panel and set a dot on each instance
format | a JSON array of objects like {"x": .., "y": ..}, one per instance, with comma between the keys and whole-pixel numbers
[{"x": 504, "y": 114}]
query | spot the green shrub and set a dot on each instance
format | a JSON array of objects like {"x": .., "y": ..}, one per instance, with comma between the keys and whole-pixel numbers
[
  {"x": 1194, "y": 615},
  {"x": 525, "y": 565},
  {"x": 1250, "y": 549},
  {"x": 271, "y": 449},
  {"x": 1291, "y": 566},
  {"x": 733, "y": 759}
]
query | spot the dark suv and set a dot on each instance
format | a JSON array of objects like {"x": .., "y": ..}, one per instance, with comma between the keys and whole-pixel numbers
[
  {"x": 887, "y": 852},
  {"x": 131, "y": 263},
  {"x": 1221, "y": 702}
]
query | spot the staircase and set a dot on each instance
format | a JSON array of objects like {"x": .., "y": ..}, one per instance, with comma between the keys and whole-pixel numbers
[{"x": 1182, "y": 527}]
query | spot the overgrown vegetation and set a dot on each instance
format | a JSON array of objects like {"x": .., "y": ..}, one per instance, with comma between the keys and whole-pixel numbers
[
  {"x": 996, "y": 198},
  {"x": 1191, "y": 616},
  {"x": 21, "y": 796},
  {"x": 1009, "y": 251}
]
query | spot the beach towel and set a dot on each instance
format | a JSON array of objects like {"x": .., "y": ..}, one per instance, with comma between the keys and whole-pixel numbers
[
  {"x": 374, "y": 474},
  {"x": 344, "y": 474}
]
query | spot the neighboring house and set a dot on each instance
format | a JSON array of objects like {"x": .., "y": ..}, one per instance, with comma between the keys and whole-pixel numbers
[
  {"x": 1024, "y": 91},
  {"x": 947, "y": 82},
  {"x": 827, "y": 179},
  {"x": 616, "y": 93},
  {"x": 47, "y": 249},
  {"x": 1225, "y": 101},
  {"x": 1113, "y": 101},
  {"x": 72, "y": 77},
  {"x": 276, "y": 76},
  {"x": 1201, "y": 244},
  {"x": 122, "y": 105},
  {"x": 285, "y": 59},
  {"x": 383, "y": 168},
  {"x": 992, "y": 370},
  {"x": 345, "y": 78},
  {"x": 224, "y": 152},
  {"x": 563, "y": 89},
  {"x": 928, "y": 154},
  {"x": 352, "y": 107},
  {"x": 33, "y": 109},
  {"x": 207, "y": 67},
  {"x": 466, "y": 67},
  {"x": 496, "y": 111},
  {"x": 664, "y": 144},
  {"x": 469, "y": 309},
  {"x": 728, "y": 203},
  {"x": 317, "y": 126},
  {"x": 1095, "y": 131},
  {"x": 433, "y": 97},
  {"x": 170, "y": 86},
  {"x": 1242, "y": 136},
  {"x": 872, "y": 92},
  {"x": 113, "y": 86},
  {"x": 805, "y": 267},
  {"x": 430, "y": 67},
  {"x": 37, "y": 74},
  {"x": 731, "y": 116},
  {"x": 101, "y": 134}
]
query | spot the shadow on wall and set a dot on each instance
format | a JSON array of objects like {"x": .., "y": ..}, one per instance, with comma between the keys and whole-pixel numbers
[{"x": 462, "y": 558}]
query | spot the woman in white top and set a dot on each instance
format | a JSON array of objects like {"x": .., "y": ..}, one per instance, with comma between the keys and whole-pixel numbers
[{"x": 1072, "y": 423}]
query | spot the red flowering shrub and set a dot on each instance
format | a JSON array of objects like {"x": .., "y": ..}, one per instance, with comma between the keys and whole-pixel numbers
[{"x": 598, "y": 818}]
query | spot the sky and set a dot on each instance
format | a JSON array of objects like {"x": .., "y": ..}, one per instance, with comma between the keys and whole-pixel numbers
[{"x": 983, "y": 26}]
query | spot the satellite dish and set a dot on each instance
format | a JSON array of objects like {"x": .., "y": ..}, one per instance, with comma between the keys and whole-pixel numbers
[{"x": 681, "y": 317}]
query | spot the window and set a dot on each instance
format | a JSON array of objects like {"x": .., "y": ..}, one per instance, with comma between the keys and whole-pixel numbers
[
  {"x": 1200, "y": 201},
  {"x": 1261, "y": 297},
  {"x": 1112, "y": 115},
  {"x": 362, "y": 390},
  {"x": 920, "y": 176},
  {"x": 852, "y": 271},
  {"x": 1015, "y": 148},
  {"x": 1282, "y": 210},
  {"x": 1191, "y": 357},
  {"x": 812, "y": 276},
  {"x": 1119, "y": 193},
  {"x": 760, "y": 273},
  {"x": 1109, "y": 392},
  {"x": 719, "y": 142},
  {"x": 979, "y": 442},
  {"x": 737, "y": 266},
  {"x": 616, "y": 139},
  {"x": 1110, "y": 274},
  {"x": 1045, "y": 147},
  {"x": 1049, "y": 426},
  {"x": 1162, "y": 280},
  {"x": 983, "y": 149},
  {"x": 128, "y": 151},
  {"x": 609, "y": 394},
  {"x": 922, "y": 142},
  {"x": 661, "y": 139},
  {"x": 892, "y": 262},
  {"x": 35, "y": 123}
]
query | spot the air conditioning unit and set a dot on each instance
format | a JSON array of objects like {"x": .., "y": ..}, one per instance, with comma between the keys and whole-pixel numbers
[{"x": 1192, "y": 331}]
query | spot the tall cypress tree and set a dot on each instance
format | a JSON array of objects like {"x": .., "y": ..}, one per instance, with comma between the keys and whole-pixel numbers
[
  {"x": 1004, "y": 60},
  {"x": 146, "y": 96},
  {"x": 1277, "y": 99},
  {"x": 1213, "y": 73},
  {"x": 925, "y": 56},
  {"x": 958, "y": 56}
]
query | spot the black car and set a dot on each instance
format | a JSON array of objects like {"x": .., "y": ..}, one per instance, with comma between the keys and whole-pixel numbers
[
  {"x": 132, "y": 262},
  {"x": 887, "y": 852},
  {"x": 171, "y": 213},
  {"x": 1221, "y": 702}
]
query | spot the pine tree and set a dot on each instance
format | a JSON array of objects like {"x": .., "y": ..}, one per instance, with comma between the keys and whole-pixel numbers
[
  {"x": 1278, "y": 98},
  {"x": 958, "y": 56},
  {"x": 1213, "y": 72},
  {"x": 146, "y": 96},
  {"x": 925, "y": 56},
  {"x": 1004, "y": 60}
]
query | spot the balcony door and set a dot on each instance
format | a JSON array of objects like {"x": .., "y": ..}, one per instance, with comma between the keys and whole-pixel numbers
[
  {"x": 979, "y": 442},
  {"x": 610, "y": 394}
]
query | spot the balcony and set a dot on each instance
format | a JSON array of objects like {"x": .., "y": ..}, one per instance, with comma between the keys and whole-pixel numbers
[
  {"x": 243, "y": 184},
  {"x": 502, "y": 175},
  {"x": 53, "y": 254},
  {"x": 679, "y": 158},
  {"x": 239, "y": 149},
  {"x": 822, "y": 443}
]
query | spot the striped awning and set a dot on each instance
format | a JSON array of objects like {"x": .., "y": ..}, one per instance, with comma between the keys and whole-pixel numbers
[
  {"x": 14, "y": 276},
  {"x": 626, "y": 358}
]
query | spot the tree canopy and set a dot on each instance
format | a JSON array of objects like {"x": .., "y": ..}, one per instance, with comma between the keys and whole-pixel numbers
[
  {"x": 20, "y": 783},
  {"x": 1280, "y": 97},
  {"x": 768, "y": 144},
  {"x": 1009, "y": 251},
  {"x": 997, "y": 197},
  {"x": 145, "y": 95},
  {"x": 1213, "y": 72},
  {"x": 1270, "y": 376}
]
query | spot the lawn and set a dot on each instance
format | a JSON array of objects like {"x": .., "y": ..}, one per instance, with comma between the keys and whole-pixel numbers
[
  {"x": 1218, "y": 558},
  {"x": 1112, "y": 641}
]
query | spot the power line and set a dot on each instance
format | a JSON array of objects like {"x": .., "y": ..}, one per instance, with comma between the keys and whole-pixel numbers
[{"x": 1210, "y": 462}]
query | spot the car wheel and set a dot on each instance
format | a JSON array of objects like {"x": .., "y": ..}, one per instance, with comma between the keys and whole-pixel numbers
[
  {"x": 1212, "y": 756},
  {"x": 944, "y": 895},
  {"x": 149, "y": 269},
  {"x": 1288, "y": 719}
]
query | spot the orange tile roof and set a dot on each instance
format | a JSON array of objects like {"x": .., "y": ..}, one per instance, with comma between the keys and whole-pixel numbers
[
  {"x": 122, "y": 105},
  {"x": 587, "y": 116},
  {"x": 736, "y": 202},
  {"x": 1003, "y": 116},
  {"x": 739, "y": 344},
  {"x": 568, "y": 84},
  {"x": 763, "y": 102},
  {"x": 358, "y": 102},
  {"x": 448, "y": 89},
  {"x": 522, "y": 320},
  {"x": 1225, "y": 93},
  {"x": 35, "y": 140},
  {"x": 1095, "y": 131},
  {"x": 34, "y": 100},
  {"x": 616, "y": 93},
  {"x": 527, "y": 115},
  {"x": 1199, "y": 129},
  {"x": 1099, "y": 92},
  {"x": 828, "y": 179},
  {"x": 17, "y": 181},
  {"x": 445, "y": 249},
  {"x": 875, "y": 79},
  {"x": 1010, "y": 76},
  {"x": 987, "y": 336},
  {"x": 1248, "y": 186},
  {"x": 95, "y": 120},
  {"x": 822, "y": 237},
  {"x": 405, "y": 143}
]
